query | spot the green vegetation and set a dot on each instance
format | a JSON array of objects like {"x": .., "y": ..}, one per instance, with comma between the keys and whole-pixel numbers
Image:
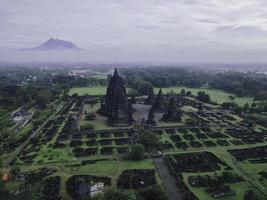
[
  {"x": 217, "y": 96},
  {"x": 94, "y": 90},
  {"x": 74, "y": 139},
  {"x": 137, "y": 152}
]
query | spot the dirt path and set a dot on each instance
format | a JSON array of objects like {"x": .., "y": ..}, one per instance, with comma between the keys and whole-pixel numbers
[{"x": 167, "y": 180}]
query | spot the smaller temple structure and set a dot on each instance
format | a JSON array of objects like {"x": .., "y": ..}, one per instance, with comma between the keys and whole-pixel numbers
[
  {"x": 159, "y": 103},
  {"x": 150, "y": 98},
  {"x": 115, "y": 105},
  {"x": 173, "y": 114},
  {"x": 151, "y": 118}
]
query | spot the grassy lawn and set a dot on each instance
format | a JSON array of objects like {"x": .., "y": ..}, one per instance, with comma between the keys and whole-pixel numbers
[
  {"x": 239, "y": 189},
  {"x": 100, "y": 122},
  {"x": 111, "y": 168},
  {"x": 97, "y": 90},
  {"x": 216, "y": 95},
  {"x": 101, "y": 75},
  {"x": 24, "y": 131}
]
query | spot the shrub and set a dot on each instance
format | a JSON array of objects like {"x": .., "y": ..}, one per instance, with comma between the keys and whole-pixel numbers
[
  {"x": 154, "y": 192},
  {"x": 119, "y": 195},
  {"x": 149, "y": 139},
  {"x": 250, "y": 195},
  {"x": 190, "y": 121},
  {"x": 90, "y": 116},
  {"x": 87, "y": 127},
  {"x": 137, "y": 152}
]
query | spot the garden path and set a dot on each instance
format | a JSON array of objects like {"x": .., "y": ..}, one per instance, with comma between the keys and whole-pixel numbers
[{"x": 167, "y": 180}]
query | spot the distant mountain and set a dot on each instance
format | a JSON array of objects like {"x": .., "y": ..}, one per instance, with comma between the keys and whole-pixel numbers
[{"x": 55, "y": 44}]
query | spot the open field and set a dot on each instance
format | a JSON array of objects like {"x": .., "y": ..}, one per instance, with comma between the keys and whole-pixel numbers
[
  {"x": 97, "y": 90},
  {"x": 62, "y": 146},
  {"x": 216, "y": 95}
]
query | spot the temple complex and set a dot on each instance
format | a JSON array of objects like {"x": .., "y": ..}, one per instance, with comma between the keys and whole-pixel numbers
[
  {"x": 159, "y": 103},
  {"x": 172, "y": 114},
  {"x": 151, "y": 117},
  {"x": 150, "y": 98},
  {"x": 115, "y": 105}
]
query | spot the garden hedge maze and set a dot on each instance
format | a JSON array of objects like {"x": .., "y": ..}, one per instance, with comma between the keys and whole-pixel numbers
[
  {"x": 258, "y": 153},
  {"x": 208, "y": 153},
  {"x": 136, "y": 179},
  {"x": 195, "y": 162},
  {"x": 77, "y": 185}
]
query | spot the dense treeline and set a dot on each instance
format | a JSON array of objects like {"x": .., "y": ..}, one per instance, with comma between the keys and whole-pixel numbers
[
  {"x": 67, "y": 81},
  {"x": 166, "y": 76},
  {"x": 20, "y": 86},
  {"x": 241, "y": 84}
]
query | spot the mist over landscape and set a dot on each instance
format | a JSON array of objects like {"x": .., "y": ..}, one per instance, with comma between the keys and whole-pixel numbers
[
  {"x": 136, "y": 31},
  {"x": 133, "y": 100}
]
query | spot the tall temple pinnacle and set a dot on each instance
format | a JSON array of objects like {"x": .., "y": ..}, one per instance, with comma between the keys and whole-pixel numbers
[
  {"x": 159, "y": 103},
  {"x": 172, "y": 113},
  {"x": 115, "y": 105},
  {"x": 116, "y": 73}
]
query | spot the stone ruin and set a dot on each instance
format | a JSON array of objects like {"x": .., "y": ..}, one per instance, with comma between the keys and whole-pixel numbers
[
  {"x": 115, "y": 105},
  {"x": 151, "y": 118},
  {"x": 173, "y": 114},
  {"x": 159, "y": 104},
  {"x": 150, "y": 98}
]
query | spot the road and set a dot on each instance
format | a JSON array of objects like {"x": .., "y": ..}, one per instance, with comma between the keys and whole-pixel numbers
[{"x": 167, "y": 180}]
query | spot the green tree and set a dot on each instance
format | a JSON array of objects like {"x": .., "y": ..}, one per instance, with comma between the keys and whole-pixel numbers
[
  {"x": 133, "y": 92},
  {"x": 246, "y": 107},
  {"x": 154, "y": 192},
  {"x": 183, "y": 92},
  {"x": 137, "y": 152},
  {"x": 87, "y": 127},
  {"x": 149, "y": 139},
  {"x": 119, "y": 195},
  {"x": 42, "y": 99},
  {"x": 15, "y": 170},
  {"x": 202, "y": 96},
  {"x": 90, "y": 116},
  {"x": 144, "y": 87},
  {"x": 250, "y": 195},
  {"x": 229, "y": 105},
  {"x": 188, "y": 93}
]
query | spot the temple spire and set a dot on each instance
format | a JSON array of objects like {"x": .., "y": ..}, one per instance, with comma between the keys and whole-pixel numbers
[
  {"x": 116, "y": 73},
  {"x": 116, "y": 106},
  {"x": 160, "y": 92},
  {"x": 159, "y": 103},
  {"x": 172, "y": 113}
]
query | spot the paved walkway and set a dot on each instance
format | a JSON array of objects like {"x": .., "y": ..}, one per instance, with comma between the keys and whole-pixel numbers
[{"x": 167, "y": 180}]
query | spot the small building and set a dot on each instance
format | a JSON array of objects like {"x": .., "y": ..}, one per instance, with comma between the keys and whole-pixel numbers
[
  {"x": 96, "y": 188},
  {"x": 86, "y": 189}
]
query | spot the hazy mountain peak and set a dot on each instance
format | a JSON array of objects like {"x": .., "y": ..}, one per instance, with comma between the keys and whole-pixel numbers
[{"x": 55, "y": 44}]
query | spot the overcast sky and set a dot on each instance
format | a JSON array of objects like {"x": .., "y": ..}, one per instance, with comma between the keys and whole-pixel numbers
[{"x": 139, "y": 30}]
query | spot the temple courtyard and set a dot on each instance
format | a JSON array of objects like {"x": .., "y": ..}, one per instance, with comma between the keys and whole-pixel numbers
[{"x": 207, "y": 152}]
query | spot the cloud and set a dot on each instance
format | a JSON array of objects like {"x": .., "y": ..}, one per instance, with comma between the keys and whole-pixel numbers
[
  {"x": 242, "y": 30},
  {"x": 162, "y": 28},
  {"x": 208, "y": 20},
  {"x": 146, "y": 27}
]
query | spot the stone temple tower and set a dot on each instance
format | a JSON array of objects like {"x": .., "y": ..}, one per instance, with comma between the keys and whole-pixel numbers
[{"x": 115, "y": 105}]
